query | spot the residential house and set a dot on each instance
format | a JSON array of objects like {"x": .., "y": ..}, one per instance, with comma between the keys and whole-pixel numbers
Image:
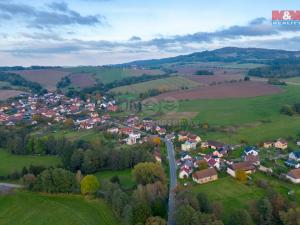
[
  {"x": 292, "y": 163},
  {"x": 214, "y": 144},
  {"x": 294, "y": 176},
  {"x": 183, "y": 136},
  {"x": 254, "y": 159},
  {"x": 205, "y": 176},
  {"x": 184, "y": 173},
  {"x": 113, "y": 130},
  {"x": 246, "y": 166},
  {"x": 250, "y": 151},
  {"x": 295, "y": 156},
  {"x": 298, "y": 143},
  {"x": 268, "y": 144},
  {"x": 194, "y": 138},
  {"x": 281, "y": 144},
  {"x": 188, "y": 145}
]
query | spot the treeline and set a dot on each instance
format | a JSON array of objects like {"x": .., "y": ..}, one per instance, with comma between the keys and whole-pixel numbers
[
  {"x": 290, "y": 110},
  {"x": 64, "y": 82},
  {"x": 276, "y": 71},
  {"x": 17, "y": 80},
  {"x": 87, "y": 156},
  {"x": 204, "y": 72},
  {"x": 11, "y": 68},
  {"x": 104, "y": 88},
  {"x": 144, "y": 205}
]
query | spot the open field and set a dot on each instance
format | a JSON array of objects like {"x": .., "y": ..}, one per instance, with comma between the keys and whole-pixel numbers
[
  {"x": 207, "y": 80},
  {"x": 110, "y": 74},
  {"x": 222, "y": 91},
  {"x": 48, "y": 78},
  {"x": 125, "y": 176},
  {"x": 234, "y": 195},
  {"x": 6, "y": 94},
  {"x": 82, "y": 80},
  {"x": 253, "y": 119},
  {"x": 35, "y": 209},
  {"x": 10, "y": 163},
  {"x": 163, "y": 85},
  {"x": 230, "y": 193}
]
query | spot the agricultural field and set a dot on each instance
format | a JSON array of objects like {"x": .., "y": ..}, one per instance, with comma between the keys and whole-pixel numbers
[
  {"x": 223, "y": 91},
  {"x": 163, "y": 85},
  {"x": 35, "y": 209},
  {"x": 293, "y": 80},
  {"x": 253, "y": 119},
  {"x": 82, "y": 80},
  {"x": 10, "y": 163},
  {"x": 48, "y": 78},
  {"x": 125, "y": 176},
  {"x": 109, "y": 74},
  {"x": 6, "y": 94}
]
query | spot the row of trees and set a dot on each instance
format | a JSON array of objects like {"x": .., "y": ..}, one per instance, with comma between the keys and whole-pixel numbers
[{"x": 17, "y": 80}]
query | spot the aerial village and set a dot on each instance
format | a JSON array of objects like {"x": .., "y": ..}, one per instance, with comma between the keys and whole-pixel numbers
[{"x": 198, "y": 161}]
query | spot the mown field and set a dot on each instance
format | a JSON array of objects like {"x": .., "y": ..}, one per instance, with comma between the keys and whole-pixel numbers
[
  {"x": 163, "y": 85},
  {"x": 37, "y": 209},
  {"x": 107, "y": 75},
  {"x": 10, "y": 163},
  {"x": 234, "y": 195},
  {"x": 252, "y": 119},
  {"x": 230, "y": 193}
]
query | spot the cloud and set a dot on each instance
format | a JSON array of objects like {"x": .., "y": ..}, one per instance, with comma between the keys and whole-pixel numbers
[
  {"x": 257, "y": 33},
  {"x": 135, "y": 38},
  {"x": 59, "y": 14}
]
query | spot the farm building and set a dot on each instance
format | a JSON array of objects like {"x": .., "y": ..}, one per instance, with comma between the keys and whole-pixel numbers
[{"x": 205, "y": 176}]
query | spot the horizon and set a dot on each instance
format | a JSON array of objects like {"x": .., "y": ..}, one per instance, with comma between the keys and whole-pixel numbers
[{"x": 109, "y": 32}]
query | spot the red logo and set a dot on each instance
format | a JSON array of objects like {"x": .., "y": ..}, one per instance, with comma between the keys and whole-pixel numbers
[{"x": 286, "y": 15}]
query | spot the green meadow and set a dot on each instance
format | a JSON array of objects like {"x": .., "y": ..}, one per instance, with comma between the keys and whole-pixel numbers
[
  {"x": 10, "y": 163},
  {"x": 28, "y": 208}
]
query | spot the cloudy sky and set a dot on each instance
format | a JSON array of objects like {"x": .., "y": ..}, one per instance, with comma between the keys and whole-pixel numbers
[{"x": 97, "y": 32}]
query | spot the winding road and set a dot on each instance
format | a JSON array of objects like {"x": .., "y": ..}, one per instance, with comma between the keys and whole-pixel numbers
[{"x": 173, "y": 181}]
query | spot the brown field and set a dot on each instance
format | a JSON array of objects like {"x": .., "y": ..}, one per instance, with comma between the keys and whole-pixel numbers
[
  {"x": 48, "y": 78},
  {"x": 226, "y": 90},
  {"x": 6, "y": 94},
  {"x": 82, "y": 80}
]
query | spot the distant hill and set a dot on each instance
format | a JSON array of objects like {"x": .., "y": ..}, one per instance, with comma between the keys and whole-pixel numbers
[{"x": 228, "y": 54}]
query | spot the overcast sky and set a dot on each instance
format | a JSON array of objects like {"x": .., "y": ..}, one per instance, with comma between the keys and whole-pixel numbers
[{"x": 97, "y": 32}]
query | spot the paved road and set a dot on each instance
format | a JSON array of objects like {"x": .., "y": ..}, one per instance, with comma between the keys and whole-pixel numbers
[{"x": 173, "y": 181}]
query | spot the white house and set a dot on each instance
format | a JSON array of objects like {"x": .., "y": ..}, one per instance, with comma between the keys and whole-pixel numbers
[
  {"x": 184, "y": 173},
  {"x": 188, "y": 145}
]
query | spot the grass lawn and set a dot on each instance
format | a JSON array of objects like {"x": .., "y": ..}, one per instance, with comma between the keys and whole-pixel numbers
[
  {"x": 166, "y": 84},
  {"x": 38, "y": 209},
  {"x": 230, "y": 193},
  {"x": 252, "y": 119},
  {"x": 125, "y": 176},
  {"x": 10, "y": 163},
  {"x": 282, "y": 187}
]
